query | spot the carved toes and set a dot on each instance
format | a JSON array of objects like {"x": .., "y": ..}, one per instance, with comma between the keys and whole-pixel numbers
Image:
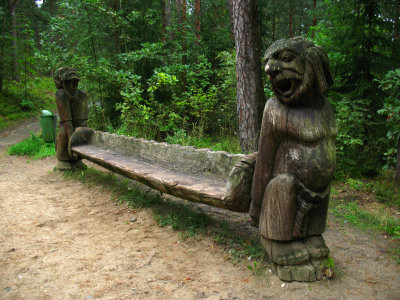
[
  {"x": 286, "y": 253},
  {"x": 316, "y": 246}
]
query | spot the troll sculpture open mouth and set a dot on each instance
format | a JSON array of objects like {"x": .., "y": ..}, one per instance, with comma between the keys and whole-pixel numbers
[{"x": 286, "y": 86}]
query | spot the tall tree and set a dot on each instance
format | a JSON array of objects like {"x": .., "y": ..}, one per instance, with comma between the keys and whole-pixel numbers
[
  {"x": 314, "y": 21},
  {"x": 2, "y": 50},
  {"x": 250, "y": 96},
  {"x": 163, "y": 20},
  {"x": 12, "y": 4},
  {"x": 291, "y": 8},
  {"x": 197, "y": 22}
]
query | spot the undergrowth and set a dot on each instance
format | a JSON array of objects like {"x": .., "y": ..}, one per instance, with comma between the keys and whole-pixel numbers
[
  {"x": 226, "y": 143},
  {"x": 383, "y": 188},
  {"x": 18, "y": 101},
  {"x": 33, "y": 147},
  {"x": 180, "y": 217}
]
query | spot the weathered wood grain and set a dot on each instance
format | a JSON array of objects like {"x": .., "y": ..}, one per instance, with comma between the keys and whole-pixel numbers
[{"x": 219, "y": 179}]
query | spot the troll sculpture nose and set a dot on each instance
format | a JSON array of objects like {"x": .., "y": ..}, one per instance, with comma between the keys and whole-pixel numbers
[{"x": 272, "y": 67}]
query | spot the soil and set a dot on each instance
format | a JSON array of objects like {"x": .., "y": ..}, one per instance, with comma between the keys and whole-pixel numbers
[{"x": 60, "y": 239}]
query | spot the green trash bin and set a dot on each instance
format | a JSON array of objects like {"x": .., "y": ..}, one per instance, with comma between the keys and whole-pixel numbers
[{"x": 48, "y": 122}]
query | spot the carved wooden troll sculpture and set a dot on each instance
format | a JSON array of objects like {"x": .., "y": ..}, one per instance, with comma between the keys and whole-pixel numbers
[
  {"x": 73, "y": 109},
  {"x": 295, "y": 160}
]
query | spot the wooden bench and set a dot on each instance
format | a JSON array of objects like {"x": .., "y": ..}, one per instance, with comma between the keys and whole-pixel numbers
[{"x": 216, "y": 178}]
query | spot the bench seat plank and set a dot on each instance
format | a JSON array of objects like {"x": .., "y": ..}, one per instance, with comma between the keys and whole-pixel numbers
[{"x": 194, "y": 188}]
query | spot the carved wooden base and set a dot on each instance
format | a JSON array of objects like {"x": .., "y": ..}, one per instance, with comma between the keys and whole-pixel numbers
[
  {"x": 298, "y": 260},
  {"x": 70, "y": 165}
]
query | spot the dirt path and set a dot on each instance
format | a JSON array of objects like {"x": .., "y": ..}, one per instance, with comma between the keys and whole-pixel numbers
[{"x": 62, "y": 240}]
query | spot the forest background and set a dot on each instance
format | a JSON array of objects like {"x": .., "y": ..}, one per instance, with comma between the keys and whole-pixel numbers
[{"x": 166, "y": 70}]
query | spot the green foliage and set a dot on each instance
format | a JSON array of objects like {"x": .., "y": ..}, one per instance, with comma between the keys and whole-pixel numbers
[
  {"x": 383, "y": 188},
  {"x": 33, "y": 147},
  {"x": 97, "y": 119},
  {"x": 391, "y": 110},
  {"x": 257, "y": 269},
  {"x": 229, "y": 144},
  {"x": 19, "y": 101},
  {"x": 357, "y": 39},
  {"x": 175, "y": 87}
]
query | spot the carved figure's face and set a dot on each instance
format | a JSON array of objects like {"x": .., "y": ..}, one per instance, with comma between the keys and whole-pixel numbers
[
  {"x": 71, "y": 86},
  {"x": 286, "y": 69}
]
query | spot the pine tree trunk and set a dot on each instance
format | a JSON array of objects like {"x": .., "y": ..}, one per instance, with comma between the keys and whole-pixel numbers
[
  {"x": 198, "y": 9},
  {"x": 116, "y": 37},
  {"x": 396, "y": 34},
  {"x": 273, "y": 21},
  {"x": 2, "y": 52},
  {"x": 184, "y": 48},
  {"x": 163, "y": 20},
  {"x": 314, "y": 20},
  {"x": 14, "y": 53},
  {"x": 230, "y": 10},
  {"x": 291, "y": 19},
  {"x": 250, "y": 98},
  {"x": 51, "y": 4},
  {"x": 397, "y": 177}
]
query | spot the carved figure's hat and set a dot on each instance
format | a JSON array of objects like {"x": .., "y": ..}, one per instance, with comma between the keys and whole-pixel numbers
[{"x": 64, "y": 74}]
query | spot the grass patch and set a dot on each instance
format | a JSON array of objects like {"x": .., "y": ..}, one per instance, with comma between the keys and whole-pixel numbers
[
  {"x": 383, "y": 188},
  {"x": 189, "y": 222},
  {"x": 351, "y": 212},
  {"x": 33, "y": 147},
  {"x": 181, "y": 218}
]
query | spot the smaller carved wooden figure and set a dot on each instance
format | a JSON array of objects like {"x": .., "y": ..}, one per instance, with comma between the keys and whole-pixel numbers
[
  {"x": 295, "y": 161},
  {"x": 73, "y": 110}
]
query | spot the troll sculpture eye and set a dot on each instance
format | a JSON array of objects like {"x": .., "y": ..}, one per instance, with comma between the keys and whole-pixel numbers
[{"x": 287, "y": 57}]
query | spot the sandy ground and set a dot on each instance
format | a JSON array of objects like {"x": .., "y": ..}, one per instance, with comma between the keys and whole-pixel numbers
[{"x": 62, "y": 240}]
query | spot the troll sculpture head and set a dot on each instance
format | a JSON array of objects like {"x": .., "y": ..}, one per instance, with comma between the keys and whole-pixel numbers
[{"x": 297, "y": 69}]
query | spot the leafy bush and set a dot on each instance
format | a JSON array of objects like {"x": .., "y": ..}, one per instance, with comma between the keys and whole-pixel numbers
[{"x": 391, "y": 110}]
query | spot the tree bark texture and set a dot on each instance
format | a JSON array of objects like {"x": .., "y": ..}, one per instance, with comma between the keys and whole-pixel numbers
[
  {"x": 396, "y": 21},
  {"x": 314, "y": 20},
  {"x": 250, "y": 98},
  {"x": 184, "y": 47},
  {"x": 291, "y": 20},
  {"x": 273, "y": 21},
  {"x": 230, "y": 10},
  {"x": 176, "y": 170},
  {"x": 179, "y": 11},
  {"x": 2, "y": 52},
  {"x": 197, "y": 23},
  {"x": 14, "y": 55},
  {"x": 116, "y": 35},
  {"x": 163, "y": 20},
  {"x": 397, "y": 177}
]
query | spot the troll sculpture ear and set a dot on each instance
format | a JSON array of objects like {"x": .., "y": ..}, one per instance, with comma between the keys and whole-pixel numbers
[{"x": 320, "y": 63}]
